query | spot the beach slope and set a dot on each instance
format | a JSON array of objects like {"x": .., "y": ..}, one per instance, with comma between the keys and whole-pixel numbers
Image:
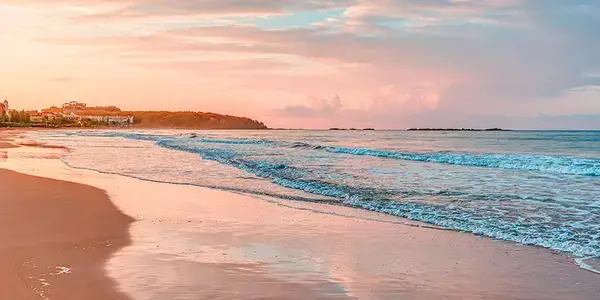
[{"x": 56, "y": 237}]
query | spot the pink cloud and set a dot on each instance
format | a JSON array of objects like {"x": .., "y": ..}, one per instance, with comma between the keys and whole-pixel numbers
[{"x": 382, "y": 58}]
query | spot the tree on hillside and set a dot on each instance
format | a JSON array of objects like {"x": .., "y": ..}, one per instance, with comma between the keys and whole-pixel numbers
[
  {"x": 19, "y": 117},
  {"x": 15, "y": 117}
]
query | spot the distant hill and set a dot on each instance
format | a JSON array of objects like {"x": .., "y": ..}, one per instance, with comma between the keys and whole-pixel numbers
[{"x": 182, "y": 119}]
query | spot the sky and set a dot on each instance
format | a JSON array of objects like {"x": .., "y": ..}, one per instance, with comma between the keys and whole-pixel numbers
[{"x": 520, "y": 64}]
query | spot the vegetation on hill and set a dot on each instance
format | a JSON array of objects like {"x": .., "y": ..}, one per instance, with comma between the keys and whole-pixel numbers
[
  {"x": 15, "y": 117},
  {"x": 182, "y": 119},
  {"x": 19, "y": 117}
]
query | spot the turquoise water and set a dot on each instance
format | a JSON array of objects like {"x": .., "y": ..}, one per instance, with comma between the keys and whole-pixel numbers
[{"x": 532, "y": 187}]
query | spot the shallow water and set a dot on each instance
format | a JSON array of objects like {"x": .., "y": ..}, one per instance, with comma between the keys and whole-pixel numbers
[
  {"x": 535, "y": 188},
  {"x": 194, "y": 243}
]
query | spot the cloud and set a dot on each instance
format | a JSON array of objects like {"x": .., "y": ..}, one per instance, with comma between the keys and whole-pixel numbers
[
  {"x": 62, "y": 79},
  {"x": 321, "y": 108},
  {"x": 391, "y": 60},
  {"x": 493, "y": 62},
  {"x": 143, "y": 9}
]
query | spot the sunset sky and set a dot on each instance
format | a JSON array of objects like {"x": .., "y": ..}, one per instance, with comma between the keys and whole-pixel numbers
[{"x": 310, "y": 63}]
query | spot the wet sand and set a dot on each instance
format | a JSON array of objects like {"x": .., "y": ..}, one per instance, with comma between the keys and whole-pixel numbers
[
  {"x": 207, "y": 244},
  {"x": 6, "y": 137},
  {"x": 56, "y": 237},
  {"x": 196, "y": 243},
  {"x": 6, "y": 145}
]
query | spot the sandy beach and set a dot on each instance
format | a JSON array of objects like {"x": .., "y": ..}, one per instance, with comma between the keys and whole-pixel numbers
[
  {"x": 71, "y": 237},
  {"x": 283, "y": 150},
  {"x": 51, "y": 227}
]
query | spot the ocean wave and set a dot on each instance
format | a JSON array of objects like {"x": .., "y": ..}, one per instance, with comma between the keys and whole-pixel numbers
[
  {"x": 586, "y": 264},
  {"x": 541, "y": 163},
  {"x": 304, "y": 146},
  {"x": 562, "y": 237},
  {"x": 581, "y": 136},
  {"x": 231, "y": 141},
  {"x": 570, "y": 236},
  {"x": 525, "y": 162},
  {"x": 127, "y": 135},
  {"x": 192, "y": 136},
  {"x": 274, "y": 198},
  {"x": 219, "y": 187}
]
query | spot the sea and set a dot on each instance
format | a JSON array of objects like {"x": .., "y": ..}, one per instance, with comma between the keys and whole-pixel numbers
[{"x": 539, "y": 188}]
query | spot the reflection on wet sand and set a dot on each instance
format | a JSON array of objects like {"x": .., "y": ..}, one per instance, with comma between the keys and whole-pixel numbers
[{"x": 197, "y": 243}]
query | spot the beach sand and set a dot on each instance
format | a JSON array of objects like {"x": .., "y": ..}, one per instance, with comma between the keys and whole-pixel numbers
[
  {"x": 195, "y": 243},
  {"x": 56, "y": 237},
  {"x": 6, "y": 137}
]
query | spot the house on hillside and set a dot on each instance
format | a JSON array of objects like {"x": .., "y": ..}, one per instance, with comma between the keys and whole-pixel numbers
[
  {"x": 74, "y": 105},
  {"x": 50, "y": 116},
  {"x": 36, "y": 117},
  {"x": 70, "y": 116},
  {"x": 123, "y": 120},
  {"x": 111, "y": 120}
]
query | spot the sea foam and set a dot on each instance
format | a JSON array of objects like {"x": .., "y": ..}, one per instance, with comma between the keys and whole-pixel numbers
[{"x": 492, "y": 218}]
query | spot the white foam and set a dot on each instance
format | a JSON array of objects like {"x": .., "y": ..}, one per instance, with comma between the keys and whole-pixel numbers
[
  {"x": 62, "y": 270},
  {"x": 44, "y": 282},
  {"x": 581, "y": 262}
]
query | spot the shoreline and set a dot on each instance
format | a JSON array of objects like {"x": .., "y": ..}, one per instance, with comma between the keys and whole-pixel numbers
[
  {"x": 57, "y": 238},
  {"x": 6, "y": 136},
  {"x": 253, "y": 245}
]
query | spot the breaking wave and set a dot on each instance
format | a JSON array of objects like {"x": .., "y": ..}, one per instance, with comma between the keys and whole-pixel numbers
[
  {"x": 562, "y": 237},
  {"x": 269, "y": 160},
  {"x": 525, "y": 162},
  {"x": 541, "y": 163}
]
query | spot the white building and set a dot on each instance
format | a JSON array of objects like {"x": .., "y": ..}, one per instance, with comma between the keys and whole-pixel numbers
[
  {"x": 37, "y": 118},
  {"x": 122, "y": 120},
  {"x": 71, "y": 117}
]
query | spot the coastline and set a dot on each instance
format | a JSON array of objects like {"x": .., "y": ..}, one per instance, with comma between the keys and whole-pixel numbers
[
  {"x": 56, "y": 239},
  {"x": 234, "y": 246},
  {"x": 6, "y": 137}
]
